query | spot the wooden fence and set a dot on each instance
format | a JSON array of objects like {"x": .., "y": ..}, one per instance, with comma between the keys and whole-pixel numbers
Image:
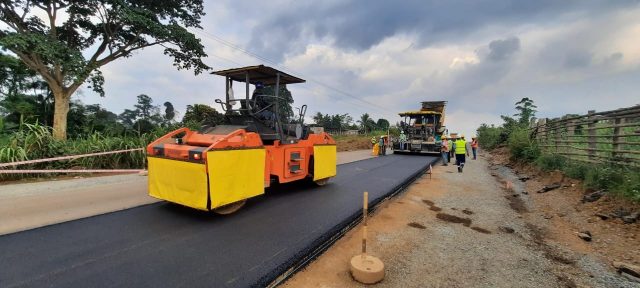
[
  {"x": 344, "y": 132},
  {"x": 596, "y": 137}
]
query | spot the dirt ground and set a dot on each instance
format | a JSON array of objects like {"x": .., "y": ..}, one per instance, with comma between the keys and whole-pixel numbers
[
  {"x": 469, "y": 230},
  {"x": 559, "y": 214},
  {"x": 353, "y": 143}
]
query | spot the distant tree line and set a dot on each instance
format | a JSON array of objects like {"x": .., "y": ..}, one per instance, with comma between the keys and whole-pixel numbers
[
  {"x": 345, "y": 122},
  {"x": 26, "y": 98}
]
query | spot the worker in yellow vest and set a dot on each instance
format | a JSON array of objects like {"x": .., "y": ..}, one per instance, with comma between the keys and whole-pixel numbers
[{"x": 461, "y": 150}]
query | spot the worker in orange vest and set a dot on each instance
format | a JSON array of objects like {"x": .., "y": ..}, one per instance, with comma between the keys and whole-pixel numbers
[
  {"x": 444, "y": 150},
  {"x": 474, "y": 146}
]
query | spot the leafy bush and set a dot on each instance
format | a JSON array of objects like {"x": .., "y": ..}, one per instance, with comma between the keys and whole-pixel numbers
[
  {"x": 624, "y": 181},
  {"x": 489, "y": 136},
  {"x": 574, "y": 170},
  {"x": 521, "y": 146},
  {"x": 550, "y": 162},
  {"x": 602, "y": 177},
  {"x": 618, "y": 180}
]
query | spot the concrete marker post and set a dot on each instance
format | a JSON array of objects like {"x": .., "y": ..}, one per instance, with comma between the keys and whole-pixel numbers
[{"x": 365, "y": 268}]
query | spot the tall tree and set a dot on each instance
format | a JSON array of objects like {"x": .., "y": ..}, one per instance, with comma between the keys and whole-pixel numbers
[
  {"x": 144, "y": 107},
  {"x": 23, "y": 95},
  {"x": 318, "y": 118},
  {"x": 15, "y": 77},
  {"x": 169, "y": 111},
  {"x": 347, "y": 121},
  {"x": 202, "y": 114},
  {"x": 128, "y": 117},
  {"x": 101, "y": 120},
  {"x": 285, "y": 110},
  {"x": 147, "y": 115},
  {"x": 383, "y": 124},
  {"x": 366, "y": 122},
  {"x": 104, "y": 30},
  {"x": 526, "y": 111}
]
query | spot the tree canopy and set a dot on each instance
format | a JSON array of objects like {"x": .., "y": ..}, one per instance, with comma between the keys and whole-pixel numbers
[
  {"x": 202, "y": 114},
  {"x": 103, "y": 30}
]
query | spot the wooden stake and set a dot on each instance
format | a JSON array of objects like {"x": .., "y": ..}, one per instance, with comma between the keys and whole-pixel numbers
[
  {"x": 365, "y": 209},
  {"x": 365, "y": 268}
]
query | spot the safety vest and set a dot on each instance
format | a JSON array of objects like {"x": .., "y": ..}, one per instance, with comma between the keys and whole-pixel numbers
[
  {"x": 461, "y": 146},
  {"x": 445, "y": 146}
]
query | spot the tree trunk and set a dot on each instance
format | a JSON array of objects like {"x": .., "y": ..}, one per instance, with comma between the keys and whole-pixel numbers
[{"x": 60, "y": 114}]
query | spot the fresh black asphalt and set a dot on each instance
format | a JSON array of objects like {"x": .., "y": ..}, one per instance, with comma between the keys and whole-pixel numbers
[{"x": 166, "y": 245}]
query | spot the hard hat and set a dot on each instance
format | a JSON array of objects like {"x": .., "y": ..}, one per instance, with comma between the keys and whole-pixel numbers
[
  {"x": 461, "y": 135},
  {"x": 401, "y": 132}
]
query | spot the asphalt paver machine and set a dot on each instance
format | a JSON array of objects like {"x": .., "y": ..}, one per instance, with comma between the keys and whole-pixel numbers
[
  {"x": 217, "y": 168},
  {"x": 423, "y": 129}
]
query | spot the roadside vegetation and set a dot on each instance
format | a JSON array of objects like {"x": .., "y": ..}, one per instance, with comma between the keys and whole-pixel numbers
[
  {"x": 515, "y": 135},
  {"x": 353, "y": 135}
]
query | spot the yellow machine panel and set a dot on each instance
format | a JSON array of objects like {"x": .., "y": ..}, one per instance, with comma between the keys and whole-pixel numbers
[
  {"x": 178, "y": 181},
  {"x": 235, "y": 175},
  {"x": 324, "y": 161}
]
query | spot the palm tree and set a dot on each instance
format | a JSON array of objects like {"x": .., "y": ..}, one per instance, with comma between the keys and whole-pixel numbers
[
  {"x": 365, "y": 121},
  {"x": 318, "y": 118}
]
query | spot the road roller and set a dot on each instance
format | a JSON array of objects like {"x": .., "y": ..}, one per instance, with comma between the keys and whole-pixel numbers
[{"x": 218, "y": 167}]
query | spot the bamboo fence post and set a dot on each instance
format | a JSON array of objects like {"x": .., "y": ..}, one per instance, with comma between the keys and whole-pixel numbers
[
  {"x": 615, "y": 145},
  {"x": 571, "y": 130},
  {"x": 538, "y": 131},
  {"x": 545, "y": 137},
  {"x": 560, "y": 126},
  {"x": 592, "y": 134}
]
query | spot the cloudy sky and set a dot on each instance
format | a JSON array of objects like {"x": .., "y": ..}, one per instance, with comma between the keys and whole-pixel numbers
[{"x": 384, "y": 57}]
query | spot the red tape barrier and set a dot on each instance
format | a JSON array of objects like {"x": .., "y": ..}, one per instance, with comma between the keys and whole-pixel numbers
[{"x": 71, "y": 157}]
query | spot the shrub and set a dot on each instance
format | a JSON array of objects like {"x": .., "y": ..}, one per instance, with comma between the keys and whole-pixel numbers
[
  {"x": 550, "y": 162},
  {"x": 574, "y": 170},
  {"x": 618, "y": 180},
  {"x": 489, "y": 137},
  {"x": 623, "y": 181},
  {"x": 522, "y": 147}
]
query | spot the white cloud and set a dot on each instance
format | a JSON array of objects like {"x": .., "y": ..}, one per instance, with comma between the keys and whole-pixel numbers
[{"x": 397, "y": 73}]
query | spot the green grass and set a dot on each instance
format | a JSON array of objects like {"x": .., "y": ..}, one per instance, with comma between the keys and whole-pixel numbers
[
  {"x": 35, "y": 141},
  {"x": 618, "y": 180}
]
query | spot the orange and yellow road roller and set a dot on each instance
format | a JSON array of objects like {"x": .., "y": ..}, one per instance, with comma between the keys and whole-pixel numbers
[{"x": 218, "y": 167}]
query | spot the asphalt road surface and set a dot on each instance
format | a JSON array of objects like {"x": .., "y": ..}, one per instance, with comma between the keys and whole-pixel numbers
[
  {"x": 166, "y": 245},
  {"x": 25, "y": 206}
]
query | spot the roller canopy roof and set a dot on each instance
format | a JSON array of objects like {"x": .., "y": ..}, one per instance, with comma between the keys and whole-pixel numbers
[
  {"x": 264, "y": 74},
  {"x": 415, "y": 113}
]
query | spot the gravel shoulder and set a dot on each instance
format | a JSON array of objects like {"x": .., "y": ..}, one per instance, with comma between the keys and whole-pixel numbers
[
  {"x": 495, "y": 245},
  {"x": 35, "y": 204}
]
